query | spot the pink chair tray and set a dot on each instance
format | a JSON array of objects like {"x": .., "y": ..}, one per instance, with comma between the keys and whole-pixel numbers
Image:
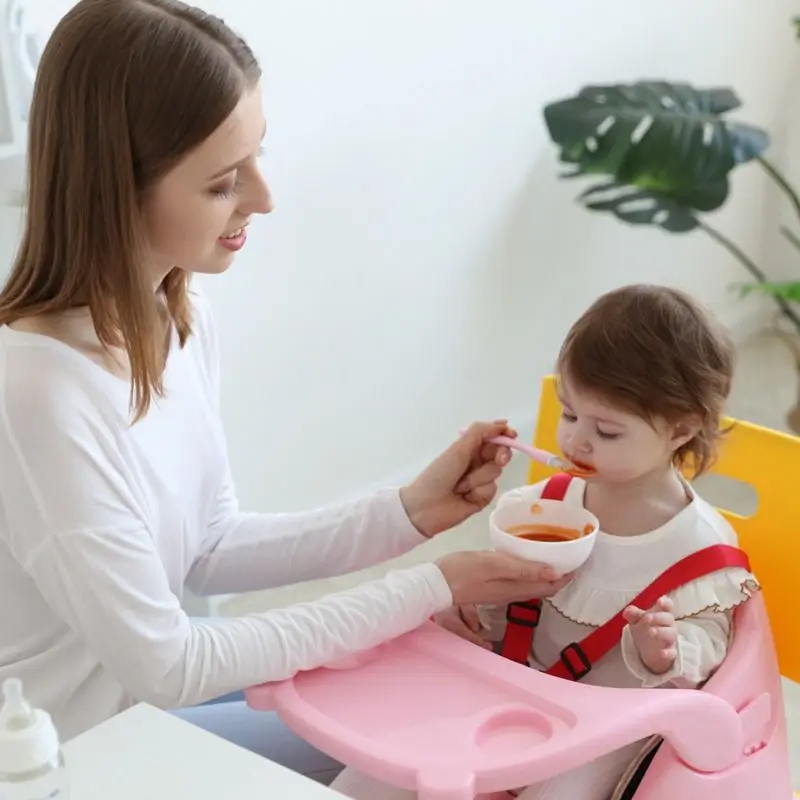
[{"x": 433, "y": 713}]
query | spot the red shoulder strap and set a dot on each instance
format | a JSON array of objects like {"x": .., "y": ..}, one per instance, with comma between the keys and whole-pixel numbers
[
  {"x": 522, "y": 618},
  {"x": 577, "y": 658},
  {"x": 556, "y": 488}
]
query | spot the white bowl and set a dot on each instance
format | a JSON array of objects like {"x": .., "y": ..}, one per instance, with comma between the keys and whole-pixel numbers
[{"x": 563, "y": 556}]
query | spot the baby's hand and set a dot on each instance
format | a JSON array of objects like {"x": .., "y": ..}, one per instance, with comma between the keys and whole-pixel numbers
[
  {"x": 655, "y": 634},
  {"x": 464, "y": 622}
]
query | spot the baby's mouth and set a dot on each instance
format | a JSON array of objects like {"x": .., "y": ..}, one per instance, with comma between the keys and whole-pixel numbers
[{"x": 580, "y": 469}]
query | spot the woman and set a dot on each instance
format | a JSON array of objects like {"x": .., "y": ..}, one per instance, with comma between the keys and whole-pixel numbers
[{"x": 114, "y": 485}]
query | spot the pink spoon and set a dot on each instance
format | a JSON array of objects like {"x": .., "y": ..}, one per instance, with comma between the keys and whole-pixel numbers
[{"x": 543, "y": 457}]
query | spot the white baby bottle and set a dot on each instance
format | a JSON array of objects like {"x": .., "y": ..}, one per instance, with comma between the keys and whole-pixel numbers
[{"x": 31, "y": 763}]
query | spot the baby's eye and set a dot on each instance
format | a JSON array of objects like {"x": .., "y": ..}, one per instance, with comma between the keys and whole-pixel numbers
[
  {"x": 568, "y": 416},
  {"x": 607, "y": 435}
]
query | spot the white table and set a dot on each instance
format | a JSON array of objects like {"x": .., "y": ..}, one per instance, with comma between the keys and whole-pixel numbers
[{"x": 148, "y": 754}]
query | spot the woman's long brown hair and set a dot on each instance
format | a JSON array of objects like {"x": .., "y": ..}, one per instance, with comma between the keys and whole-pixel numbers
[{"x": 125, "y": 89}]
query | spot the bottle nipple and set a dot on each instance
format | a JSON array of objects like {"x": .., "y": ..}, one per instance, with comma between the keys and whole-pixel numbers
[{"x": 16, "y": 713}]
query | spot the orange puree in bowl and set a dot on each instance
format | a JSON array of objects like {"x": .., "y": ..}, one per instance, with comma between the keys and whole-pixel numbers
[{"x": 548, "y": 533}]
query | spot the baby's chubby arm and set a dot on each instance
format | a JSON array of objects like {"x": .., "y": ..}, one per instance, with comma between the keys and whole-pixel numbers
[{"x": 680, "y": 653}]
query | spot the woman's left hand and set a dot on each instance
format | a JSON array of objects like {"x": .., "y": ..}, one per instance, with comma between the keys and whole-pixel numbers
[{"x": 460, "y": 482}]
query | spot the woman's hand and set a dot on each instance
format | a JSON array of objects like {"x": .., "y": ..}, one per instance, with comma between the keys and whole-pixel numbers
[
  {"x": 485, "y": 577},
  {"x": 460, "y": 482},
  {"x": 464, "y": 621}
]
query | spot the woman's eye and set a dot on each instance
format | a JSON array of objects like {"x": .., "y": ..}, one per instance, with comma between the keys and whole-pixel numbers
[
  {"x": 224, "y": 192},
  {"x": 227, "y": 189}
]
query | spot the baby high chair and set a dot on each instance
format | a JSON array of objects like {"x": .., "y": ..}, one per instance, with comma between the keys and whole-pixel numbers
[{"x": 433, "y": 713}]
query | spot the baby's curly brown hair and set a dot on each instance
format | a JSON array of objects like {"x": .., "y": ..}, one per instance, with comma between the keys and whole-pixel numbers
[{"x": 655, "y": 352}]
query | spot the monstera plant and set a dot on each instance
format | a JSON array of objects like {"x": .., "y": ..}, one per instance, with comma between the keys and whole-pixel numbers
[{"x": 661, "y": 154}]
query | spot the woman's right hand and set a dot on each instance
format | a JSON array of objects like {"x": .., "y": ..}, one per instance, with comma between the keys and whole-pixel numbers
[{"x": 486, "y": 577}]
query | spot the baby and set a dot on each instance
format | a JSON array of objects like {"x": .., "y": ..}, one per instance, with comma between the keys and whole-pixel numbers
[{"x": 643, "y": 377}]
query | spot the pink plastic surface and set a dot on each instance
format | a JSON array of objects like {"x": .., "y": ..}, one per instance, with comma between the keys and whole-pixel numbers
[
  {"x": 433, "y": 713},
  {"x": 749, "y": 682}
]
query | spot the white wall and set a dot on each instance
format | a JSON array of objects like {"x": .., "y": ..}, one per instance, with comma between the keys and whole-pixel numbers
[{"x": 424, "y": 262}]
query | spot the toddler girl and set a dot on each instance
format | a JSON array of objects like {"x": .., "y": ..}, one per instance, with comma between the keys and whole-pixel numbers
[{"x": 643, "y": 378}]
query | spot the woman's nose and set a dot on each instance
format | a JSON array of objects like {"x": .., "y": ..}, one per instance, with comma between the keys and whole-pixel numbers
[{"x": 259, "y": 198}]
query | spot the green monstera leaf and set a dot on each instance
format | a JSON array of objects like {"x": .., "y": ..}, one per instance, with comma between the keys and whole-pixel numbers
[
  {"x": 665, "y": 149},
  {"x": 674, "y": 212}
]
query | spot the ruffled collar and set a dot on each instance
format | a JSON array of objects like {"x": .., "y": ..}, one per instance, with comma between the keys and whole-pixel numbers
[{"x": 620, "y": 567}]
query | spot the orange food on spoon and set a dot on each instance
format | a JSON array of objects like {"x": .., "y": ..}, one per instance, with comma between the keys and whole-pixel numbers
[{"x": 581, "y": 470}]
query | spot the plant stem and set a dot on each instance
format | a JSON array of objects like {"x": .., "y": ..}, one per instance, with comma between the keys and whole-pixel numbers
[
  {"x": 773, "y": 172},
  {"x": 790, "y": 236},
  {"x": 751, "y": 267},
  {"x": 792, "y": 345}
]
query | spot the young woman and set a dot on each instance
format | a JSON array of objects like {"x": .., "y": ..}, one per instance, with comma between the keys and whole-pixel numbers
[{"x": 115, "y": 489}]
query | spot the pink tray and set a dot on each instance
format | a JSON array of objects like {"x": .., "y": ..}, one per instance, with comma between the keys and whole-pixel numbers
[{"x": 433, "y": 713}]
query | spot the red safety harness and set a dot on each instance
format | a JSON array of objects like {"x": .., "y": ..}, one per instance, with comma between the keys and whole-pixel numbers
[{"x": 577, "y": 658}]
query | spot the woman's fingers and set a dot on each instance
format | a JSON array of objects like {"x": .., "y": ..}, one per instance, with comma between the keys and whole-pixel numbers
[
  {"x": 511, "y": 568},
  {"x": 517, "y": 580},
  {"x": 479, "y": 435},
  {"x": 498, "y": 454},
  {"x": 461, "y": 630},
  {"x": 453, "y": 620},
  {"x": 480, "y": 477},
  {"x": 481, "y": 497},
  {"x": 487, "y": 577},
  {"x": 472, "y": 620}
]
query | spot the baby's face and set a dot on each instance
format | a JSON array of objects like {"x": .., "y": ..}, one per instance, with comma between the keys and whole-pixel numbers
[{"x": 620, "y": 445}]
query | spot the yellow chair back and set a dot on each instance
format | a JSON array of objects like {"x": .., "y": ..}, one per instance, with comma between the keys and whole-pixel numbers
[{"x": 770, "y": 463}]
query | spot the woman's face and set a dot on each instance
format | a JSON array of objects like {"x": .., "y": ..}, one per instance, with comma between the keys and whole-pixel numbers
[{"x": 197, "y": 214}]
